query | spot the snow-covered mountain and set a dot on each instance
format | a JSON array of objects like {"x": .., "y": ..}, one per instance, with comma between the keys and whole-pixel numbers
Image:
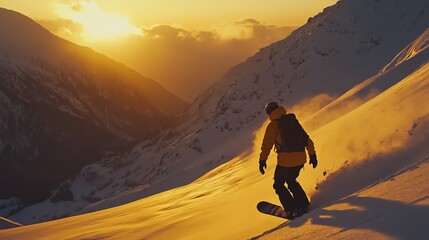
[
  {"x": 336, "y": 50},
  {"x": 377, "y": 188},
  {"x": 406, "y": 62},
  {"x": 62, "y": 106}
]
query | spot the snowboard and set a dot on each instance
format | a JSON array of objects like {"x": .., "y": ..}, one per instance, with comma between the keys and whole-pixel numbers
[{"x": 271, "y": 209}]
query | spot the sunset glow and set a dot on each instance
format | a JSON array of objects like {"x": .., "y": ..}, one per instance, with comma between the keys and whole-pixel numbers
[
  {"x": 97, "y": 24},
  {"x": 154, "y": 36}
]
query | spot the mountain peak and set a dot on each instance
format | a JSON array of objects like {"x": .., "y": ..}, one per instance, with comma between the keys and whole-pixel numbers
[{"x": 22, "y": 35}]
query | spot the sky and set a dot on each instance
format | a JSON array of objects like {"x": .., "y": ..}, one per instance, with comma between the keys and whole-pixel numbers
[{"x": 179, "y": 43}]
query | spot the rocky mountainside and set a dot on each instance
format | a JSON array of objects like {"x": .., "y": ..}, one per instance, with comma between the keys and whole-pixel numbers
[
  {"x": 63, "y": 106},
  {"x": 339, "y": 48}
]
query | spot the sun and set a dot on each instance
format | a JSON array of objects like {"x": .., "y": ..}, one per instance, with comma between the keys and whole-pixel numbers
[{"x": 97, "y": 24}]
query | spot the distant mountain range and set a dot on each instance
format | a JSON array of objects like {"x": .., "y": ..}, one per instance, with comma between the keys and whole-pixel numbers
[{"x": 62, "y": 106}]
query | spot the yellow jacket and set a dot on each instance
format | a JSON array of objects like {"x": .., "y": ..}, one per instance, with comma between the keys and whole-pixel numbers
[{"x": 272, "y": 138}]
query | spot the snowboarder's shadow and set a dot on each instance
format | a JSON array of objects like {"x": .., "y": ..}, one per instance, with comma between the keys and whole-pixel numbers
[
  {"x": 394, "y": 219},
  {"x": 388, "y": 217},
  {"x": 270, "y": 231}
]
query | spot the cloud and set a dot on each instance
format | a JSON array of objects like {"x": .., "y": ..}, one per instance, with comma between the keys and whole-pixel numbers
[
  {"x": 179, "y": 58},
  {"x": 240, "y": 30},
  {"x": 97, "y": 24},
  {"x": 251, "y": 29},
  {"x": 64, "y": 28},
  {"x": 166, "y": 32}
]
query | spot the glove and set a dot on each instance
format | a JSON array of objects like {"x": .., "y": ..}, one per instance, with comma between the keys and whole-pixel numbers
[
  {"x": 313, "y": 160},
  {"x": 262, "y": 166}
]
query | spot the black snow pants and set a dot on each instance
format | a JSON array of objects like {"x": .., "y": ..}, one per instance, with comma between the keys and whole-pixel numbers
[{"x": 293, "y": 197}]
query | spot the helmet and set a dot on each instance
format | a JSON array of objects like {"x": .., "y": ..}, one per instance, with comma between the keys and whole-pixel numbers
[{"x": 270, "y": 107}]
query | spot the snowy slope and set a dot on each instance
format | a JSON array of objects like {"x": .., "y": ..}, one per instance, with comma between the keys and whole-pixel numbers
[
  {"x": 394, "y": 208},
  {"x": 6, "y": 223},
  {"x": 376, "y": 186},
  {"x": 416, "y": 47},
  {"x": 336, "y": 50},
  {"x": 407, "y": 61}
]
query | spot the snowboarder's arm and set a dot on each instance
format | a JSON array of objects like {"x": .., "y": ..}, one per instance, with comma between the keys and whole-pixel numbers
[
  {"x": 311, "y": 153},
  {"x": 310, "y": 147},
  {"x": 268, "y": 142}
]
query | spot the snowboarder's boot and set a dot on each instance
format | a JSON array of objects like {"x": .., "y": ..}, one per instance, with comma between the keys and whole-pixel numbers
[
  {"x": 301, "y": 211},
  {"x": 286, "y": 214}
]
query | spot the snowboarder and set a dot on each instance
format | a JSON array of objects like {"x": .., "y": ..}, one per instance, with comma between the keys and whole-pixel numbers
[{"x": 290, "y": 141}]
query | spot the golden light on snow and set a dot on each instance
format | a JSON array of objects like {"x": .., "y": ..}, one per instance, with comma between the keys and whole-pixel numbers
[
  {"x": 356, "y": 129},
  {"x": 97, "y": 24},
  {"x": 345, "y": 207},
  {"x": 222, "y": 203}
]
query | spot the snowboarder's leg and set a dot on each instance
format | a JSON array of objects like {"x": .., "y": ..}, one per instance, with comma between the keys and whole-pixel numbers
[
  {"x": 295, "y": 188},
  {"x": 285, "y": 197}
]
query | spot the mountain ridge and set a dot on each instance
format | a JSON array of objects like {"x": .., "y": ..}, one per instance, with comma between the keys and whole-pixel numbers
[{"x": 64, "y": 106}]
